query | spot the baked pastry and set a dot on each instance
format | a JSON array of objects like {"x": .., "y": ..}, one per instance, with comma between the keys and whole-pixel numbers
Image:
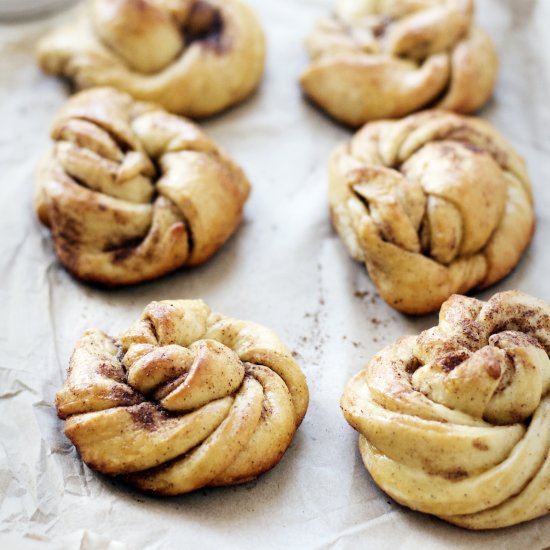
[
  {"x": 434, "y": 204},
  {"x": 193, "y": 57},
  {"x": 185, "y": 398},
  {"x": 389, "y": 58},
  {"x": 456, "y": 422},
  {"x": 131, "y": 192}
]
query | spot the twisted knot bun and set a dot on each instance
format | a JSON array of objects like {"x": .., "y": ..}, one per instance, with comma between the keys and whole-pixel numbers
[
  {"x": 131, "y": 192},
  {"x": 435, "y": 204},
  {"x": 185, "y": 398},
  {"x": 193, "y": 57},
  {"x": 456, "y": 422},
  {"x": 387, "y": 59}
]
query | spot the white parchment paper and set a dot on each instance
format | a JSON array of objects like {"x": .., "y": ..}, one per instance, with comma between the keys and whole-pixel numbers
[{"x": 284, "y": 268}]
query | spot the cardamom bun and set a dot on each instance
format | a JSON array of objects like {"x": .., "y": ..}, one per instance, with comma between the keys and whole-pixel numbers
[
  {"x": 185, "y": 398},
  {"x": 192, "y": 57},
  {"x": 434, "y": 204},
  {"x": 455, "y": 422},
  {"x": 131, "y": 192},
  {"x": 376, "y": 59}
]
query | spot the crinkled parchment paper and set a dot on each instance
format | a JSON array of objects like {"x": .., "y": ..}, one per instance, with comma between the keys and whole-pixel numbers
[{"x": 285, "y": 268}]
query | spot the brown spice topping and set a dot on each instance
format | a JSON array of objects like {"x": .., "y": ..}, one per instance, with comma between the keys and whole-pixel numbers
[
  {"x": 478, "y": 444},
  {"x": 452, "y": 360},
  {"x": 455, "y": 475},
  {"x": 144, "y": 416}
]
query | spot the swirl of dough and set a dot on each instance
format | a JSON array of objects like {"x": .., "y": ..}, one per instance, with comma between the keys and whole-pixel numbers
[
  {"x": 131, "y": 192},
  {"x": 377, "y": 59},
  {"x": 185, "y": 398},
  {"x": 456, "y": 422},
  {"x": 192, "y": 57},
  {"x": 434, "y": 204}
]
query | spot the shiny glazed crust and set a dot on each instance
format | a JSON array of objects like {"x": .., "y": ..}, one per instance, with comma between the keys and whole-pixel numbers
[
  {"x": 192, "y": 57},
  {"x": 131, "y": 192},
  {"x": 434, "y": 204},
  {"x": 456, "y": 422},
  {"x": 185, "y": 398},
  {"x": 377, "y": 59}
]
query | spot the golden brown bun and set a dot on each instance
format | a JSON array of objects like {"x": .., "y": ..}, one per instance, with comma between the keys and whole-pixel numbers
[
  {"x": 434, "y": 204},
  {"x": 185, "y": 398},
  {"x": 131, "y": 192},
  {"x": 388, "y": 58},
  {"x": 456, "y": 422},
  {"x": 193, "y": 57}
]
